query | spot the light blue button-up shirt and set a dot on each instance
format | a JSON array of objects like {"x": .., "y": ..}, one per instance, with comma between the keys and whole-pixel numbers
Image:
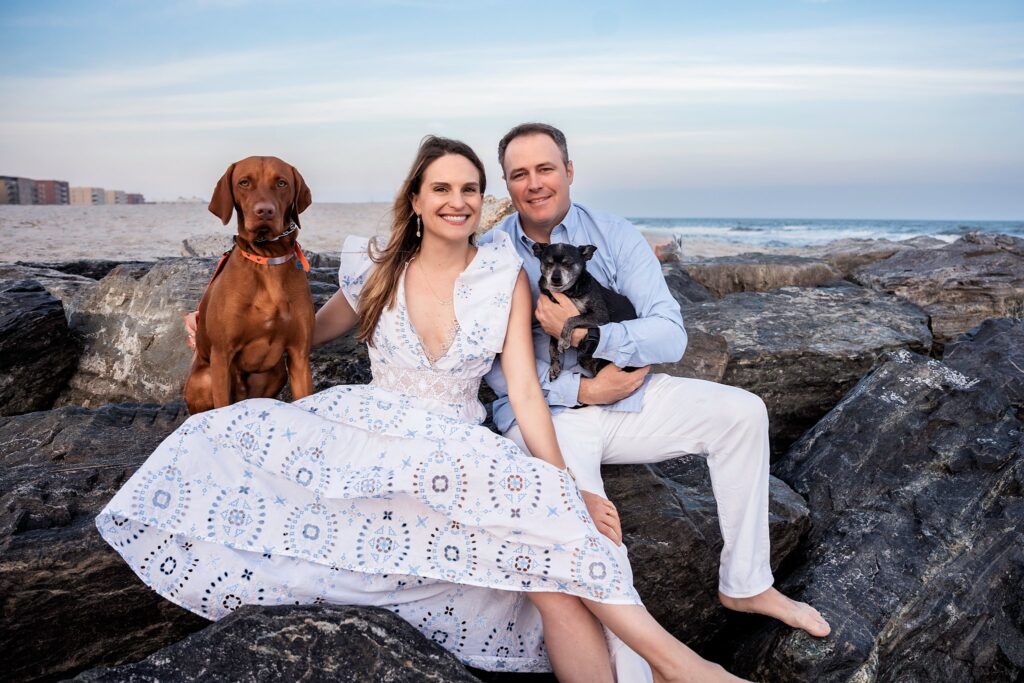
[{"x": 623, "y": 262}]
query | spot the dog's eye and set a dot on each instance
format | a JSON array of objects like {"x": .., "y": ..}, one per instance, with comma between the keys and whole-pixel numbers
[
  {"x": 244, "y": 182},
  {"x": 282, "y": 183}
]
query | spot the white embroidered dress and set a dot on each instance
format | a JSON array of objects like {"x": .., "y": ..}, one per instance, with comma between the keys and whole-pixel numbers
[{"x": 388, "y": 494}]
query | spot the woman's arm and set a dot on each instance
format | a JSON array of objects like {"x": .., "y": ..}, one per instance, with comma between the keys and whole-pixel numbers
[
  {"x": 520, "y": 369},
  {"x": 531, "y": 410},
  {"x": 334, "y": 319}
]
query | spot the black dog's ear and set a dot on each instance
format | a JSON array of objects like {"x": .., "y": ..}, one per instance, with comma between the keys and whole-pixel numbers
[
  {"x": 538, "y": 249},
  {"x": 223, "y": 201},
  {"x": 587, "y": 251}
]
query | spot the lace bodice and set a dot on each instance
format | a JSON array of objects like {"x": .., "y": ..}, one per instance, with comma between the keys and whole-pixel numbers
[{"x": 482, "y": 301}]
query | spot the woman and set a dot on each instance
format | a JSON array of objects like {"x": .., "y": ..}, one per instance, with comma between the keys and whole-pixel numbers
[{"x": 390, "y": 494}]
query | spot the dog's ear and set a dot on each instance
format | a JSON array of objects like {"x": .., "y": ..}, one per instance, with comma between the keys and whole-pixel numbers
[
  {"x": 587, "y": 251},
  {"x": 223, "y": 201},
  {"x": 303, "y": 197},
  {"x": 538, "y": 249}
]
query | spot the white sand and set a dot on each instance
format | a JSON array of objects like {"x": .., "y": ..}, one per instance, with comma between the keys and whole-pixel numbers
[{"x": 59, "y": 233}]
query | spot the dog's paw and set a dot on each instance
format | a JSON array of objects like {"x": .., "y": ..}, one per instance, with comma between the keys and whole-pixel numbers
[
  {"x": 563, "y": 345},
  {"x": 554, "y": 372}
]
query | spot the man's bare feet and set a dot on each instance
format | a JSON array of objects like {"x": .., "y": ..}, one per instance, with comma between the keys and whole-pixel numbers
[{"x": 772, "y": 603}]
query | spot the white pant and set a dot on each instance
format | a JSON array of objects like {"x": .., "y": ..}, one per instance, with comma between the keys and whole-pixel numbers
[{"x": 680, "y": 416}]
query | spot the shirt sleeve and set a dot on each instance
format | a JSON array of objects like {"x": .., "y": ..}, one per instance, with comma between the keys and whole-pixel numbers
[
  {"x": 657, "y": 334},
  {"x": 355, "y": 266}
]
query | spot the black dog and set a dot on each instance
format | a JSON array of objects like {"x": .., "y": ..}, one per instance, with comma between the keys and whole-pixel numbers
[{"x": 563, "y": 268}]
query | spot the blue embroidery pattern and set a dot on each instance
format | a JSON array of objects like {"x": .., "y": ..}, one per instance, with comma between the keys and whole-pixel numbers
[{"x": 375, "y": 493}]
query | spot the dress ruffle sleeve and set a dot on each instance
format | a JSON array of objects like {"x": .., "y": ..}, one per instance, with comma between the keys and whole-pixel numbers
[
  {"x": 355, "y": 267},
  {"x": 484, "y": 294}
]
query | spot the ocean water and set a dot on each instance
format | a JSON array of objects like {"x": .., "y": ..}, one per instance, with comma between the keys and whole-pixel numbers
[{"x": 791, "y": 232}]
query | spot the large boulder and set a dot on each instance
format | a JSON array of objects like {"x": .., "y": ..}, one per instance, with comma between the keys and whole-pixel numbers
[
  {"x": 670, "y": 528},
  {"x": 977, "y": 277},
  {"x": 133, "y": 333},
  {"x": 915, "y": 483},
  {"x": 94, "y": 269},
  {"x": 69, "y": 288},
  {"x": 849, "y": 254},
  {"x": 298, "y": 643},
  {"x": 37, "y": 350},
  {"x": 69, "y": 601},
  {"x": 799, "y": 349},
  {"x": 134, "y": 337},
  {"x": 993, "y": 350},
  {"x": 760, "y": 273}
]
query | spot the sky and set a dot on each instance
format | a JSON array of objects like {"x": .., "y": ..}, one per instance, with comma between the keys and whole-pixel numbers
[{"x": 767, "y": 108}]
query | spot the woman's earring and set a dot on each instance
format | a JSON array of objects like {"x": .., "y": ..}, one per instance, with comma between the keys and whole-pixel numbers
[{"x": 419, "y": 224}]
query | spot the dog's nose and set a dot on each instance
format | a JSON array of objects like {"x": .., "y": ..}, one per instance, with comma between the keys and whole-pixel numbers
[
  {"x": 556, "y": 278},
  {"x": 264, "y": 210}
]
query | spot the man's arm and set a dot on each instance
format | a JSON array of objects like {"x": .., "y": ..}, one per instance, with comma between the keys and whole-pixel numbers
[{"x": 657, "y": 334}]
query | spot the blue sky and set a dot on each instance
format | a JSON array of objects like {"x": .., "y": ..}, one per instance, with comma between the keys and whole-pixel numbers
[{"x": 793, "y": 108}]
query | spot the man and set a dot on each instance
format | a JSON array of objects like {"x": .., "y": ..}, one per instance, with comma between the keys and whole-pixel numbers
[{"x": 620, "y": 417}]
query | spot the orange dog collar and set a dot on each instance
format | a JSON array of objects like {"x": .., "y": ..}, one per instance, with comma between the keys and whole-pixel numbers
[{"x": 278, "y": 260}]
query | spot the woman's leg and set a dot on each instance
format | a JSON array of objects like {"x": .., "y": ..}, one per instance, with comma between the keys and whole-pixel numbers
[
  {"x": 670, "y": 660},
  {"x": 574, "y": 639}
]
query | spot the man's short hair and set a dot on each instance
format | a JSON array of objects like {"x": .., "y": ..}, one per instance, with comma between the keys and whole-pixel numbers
[{"x": 533, "y": 129}]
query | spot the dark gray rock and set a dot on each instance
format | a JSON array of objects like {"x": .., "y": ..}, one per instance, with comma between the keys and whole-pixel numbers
[
  {"x": 801, "y": 349},
  {"x": 760, "y": 273},
  {"x": 915, "y": 483},
  {"x": 994, "y": 351},
  {"x": 977, "y": 277},
  {"x": 69, "y": 600},
  {"x": 670, "y": 527},
  {"x": 682, "y": 285},
  {"x": 94, "y": 269},
  {"x": 37, "y": 351},
  {"x": 66, "y": 287},
  {"x": 292, "y": 643}
]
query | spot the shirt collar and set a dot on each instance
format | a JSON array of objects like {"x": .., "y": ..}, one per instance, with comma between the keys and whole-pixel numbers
[{"x": 568, "y": 229}]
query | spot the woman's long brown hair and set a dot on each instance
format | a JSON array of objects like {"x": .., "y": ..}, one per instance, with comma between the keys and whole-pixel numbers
[{"x": 381, "y": 286}]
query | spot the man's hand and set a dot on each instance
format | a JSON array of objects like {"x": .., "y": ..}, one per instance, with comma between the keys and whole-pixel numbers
[
  {"x": 552, "y": 316},
  {"x": 610, "y": 384},
  {"x": 604, "y": 514}
]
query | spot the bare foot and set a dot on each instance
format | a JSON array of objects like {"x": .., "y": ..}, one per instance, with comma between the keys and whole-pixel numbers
[{"x": 772, "y": 603}]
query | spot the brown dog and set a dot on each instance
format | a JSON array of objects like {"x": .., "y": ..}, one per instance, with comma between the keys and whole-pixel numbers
[{"x": 257, "y": 309}]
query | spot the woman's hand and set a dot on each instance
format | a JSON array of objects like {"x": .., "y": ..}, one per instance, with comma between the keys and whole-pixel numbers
[{"x": 604, "y": 514}]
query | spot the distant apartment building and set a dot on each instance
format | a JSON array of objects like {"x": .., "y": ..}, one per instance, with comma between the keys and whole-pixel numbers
[
  {"x": 17, "y": 190},
  {"x": 8, "y": 189},
  {"x": 52, "y": 192},
  {"x": 88, "y": 195},
  {"x": 116, "y": 197},
  {"x": 135, "y": 198}
]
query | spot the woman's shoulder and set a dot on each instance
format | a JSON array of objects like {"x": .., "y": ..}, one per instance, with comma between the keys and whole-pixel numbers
[
  {"x": 498, "y": 252},
  {"x": 355, "y": 264}
]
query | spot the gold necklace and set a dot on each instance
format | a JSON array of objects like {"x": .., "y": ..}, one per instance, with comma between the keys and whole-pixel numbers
[{"x": 443, "y": 302}]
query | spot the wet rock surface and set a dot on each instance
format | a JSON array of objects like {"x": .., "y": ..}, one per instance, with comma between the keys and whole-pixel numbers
[
  {"x": 37, "y": 350},
  {"x": 915, "y": 483},
  {"x": 801, "y": 349},
  {"x": 760, "y": 273},
  {"x": 977, "y": 277},
  {"x": 298, "y": 643},
  {"x": 69, "y": 600}
]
